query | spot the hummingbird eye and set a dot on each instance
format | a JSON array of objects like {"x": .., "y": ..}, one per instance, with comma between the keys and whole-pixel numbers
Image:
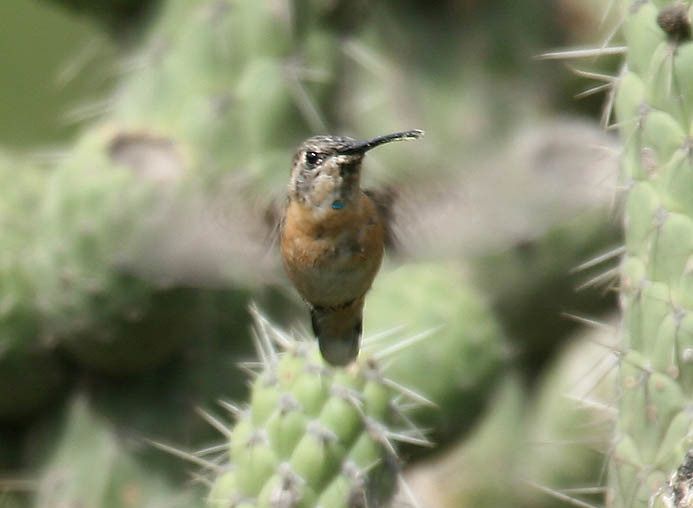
[{"x": 313, "y": 159}]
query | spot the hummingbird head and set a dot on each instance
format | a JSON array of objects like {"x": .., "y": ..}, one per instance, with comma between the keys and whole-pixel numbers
[{"x": 326, "y": 170}]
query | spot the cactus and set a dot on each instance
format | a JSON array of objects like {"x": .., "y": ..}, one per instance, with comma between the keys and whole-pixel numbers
[
  {"x": 652, "y": 102},
  {"x": 653, "y": 107},
  {"x": 312, "y": 435},
  {"x": 296, "y": 400}
]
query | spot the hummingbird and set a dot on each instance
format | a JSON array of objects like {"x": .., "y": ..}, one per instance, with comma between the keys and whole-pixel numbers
[{"x": 333, "y": 236}]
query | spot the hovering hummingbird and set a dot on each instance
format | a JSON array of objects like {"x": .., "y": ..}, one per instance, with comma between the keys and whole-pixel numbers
[{"x": 332, "y": 237}]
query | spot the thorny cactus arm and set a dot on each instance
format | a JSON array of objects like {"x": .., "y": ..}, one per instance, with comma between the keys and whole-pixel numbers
[
  {"x": 653, "y": 101},
  {"x": 653, "y": 108},
  {"x": 312, "y": 434}
]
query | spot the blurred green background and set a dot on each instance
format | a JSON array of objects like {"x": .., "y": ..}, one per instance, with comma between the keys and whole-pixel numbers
[
  {"x": 54, "y": 62},
  {"x": 139, "y": 143}
]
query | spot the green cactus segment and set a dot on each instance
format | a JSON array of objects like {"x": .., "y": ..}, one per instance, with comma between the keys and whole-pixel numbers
[
  {"x": 654, "y": 104},
  {"x": 92, "y": 465},
  {"x": 463, "y": 351},
  {"x": 311, "y": 435}
]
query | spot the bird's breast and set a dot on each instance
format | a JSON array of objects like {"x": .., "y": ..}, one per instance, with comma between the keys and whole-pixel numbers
[{"x": 332, "y": 258}]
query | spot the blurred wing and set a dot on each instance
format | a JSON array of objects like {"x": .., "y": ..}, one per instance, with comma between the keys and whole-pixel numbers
[
  {"x": 385, "y": 200},
  {"x": 274, "y": 221}
]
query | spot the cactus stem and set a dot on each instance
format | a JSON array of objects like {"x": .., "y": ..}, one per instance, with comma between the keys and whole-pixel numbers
[{"x": 296, "y": 397}]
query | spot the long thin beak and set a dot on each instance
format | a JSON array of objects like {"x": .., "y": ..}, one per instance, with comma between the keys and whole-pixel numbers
[{"x": 364, "y": 146}]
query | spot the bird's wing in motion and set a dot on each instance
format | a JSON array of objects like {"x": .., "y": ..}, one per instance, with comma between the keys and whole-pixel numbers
[{"x": 385, "y": 199}]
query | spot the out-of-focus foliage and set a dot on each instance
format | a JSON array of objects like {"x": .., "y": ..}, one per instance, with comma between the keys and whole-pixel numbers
[
  {"x": 57, "y": 70},
  {"x": 117, "y": 15}
]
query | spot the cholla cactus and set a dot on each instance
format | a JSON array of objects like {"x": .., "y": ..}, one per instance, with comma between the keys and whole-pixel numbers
[
  {"x": 312, "y": 435},
  {"x": 653, "y": 105},
  {"x": 653, "y": 101}
]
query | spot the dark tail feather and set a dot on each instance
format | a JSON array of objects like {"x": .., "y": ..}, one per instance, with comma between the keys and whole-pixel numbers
[{"x": 338, "y": 332}]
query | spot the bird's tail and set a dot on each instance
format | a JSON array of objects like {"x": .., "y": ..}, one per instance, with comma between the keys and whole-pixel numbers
[{"x": 338, "y": 330}]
